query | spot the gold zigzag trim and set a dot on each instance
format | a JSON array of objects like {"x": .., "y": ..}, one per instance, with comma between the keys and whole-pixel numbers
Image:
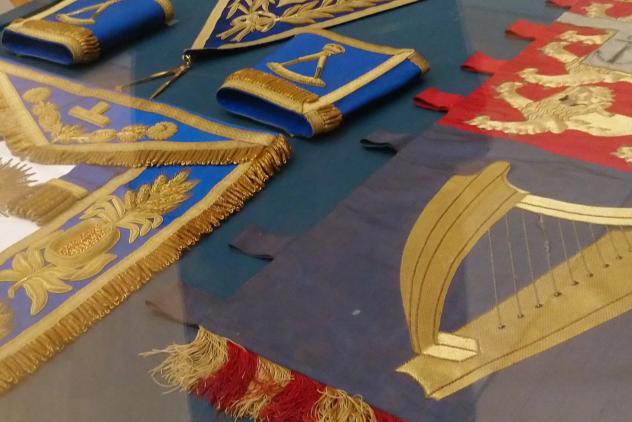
[
  {"x": 80, "y": 41},
  {"x": 33, "y": 354},
  {"x": 23, "y": 143},
  {"x": 286, "y": 95},
  {"x": 42, "y": 203},
  {"x": 187, "y": 364}
]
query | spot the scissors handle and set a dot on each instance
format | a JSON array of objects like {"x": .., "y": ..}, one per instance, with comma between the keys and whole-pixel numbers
[{"x": 173, "y": 74}]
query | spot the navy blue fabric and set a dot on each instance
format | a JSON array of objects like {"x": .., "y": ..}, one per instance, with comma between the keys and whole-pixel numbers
[{"x": 329, "y": 305}]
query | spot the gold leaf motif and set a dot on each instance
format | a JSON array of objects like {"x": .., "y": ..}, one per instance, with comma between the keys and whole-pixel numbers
[
  {"x": 256, "y": 16},
  {"x": 82, "y": 251},
  {"x": 50, "y": 119}
]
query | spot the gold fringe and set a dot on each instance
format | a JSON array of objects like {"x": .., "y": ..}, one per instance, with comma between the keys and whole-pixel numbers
[
  {"x": 336, "y": 405},
  {"x": 31, "y": 356},
  {"x": 80, "y": 41},
  {"x": 286, "y": 95},
  {"x": 43, "y": 202},
  {"x": 20, "y": 144},
  {"x": 269, "y": 380},
  {"x": 184, "y": 366},
  {"x": 6, "y": 319}
]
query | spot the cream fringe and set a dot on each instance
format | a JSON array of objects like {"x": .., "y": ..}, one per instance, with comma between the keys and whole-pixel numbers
[
  {"x": 17, "y": 366},
  {"x": 184, "y": 366}
]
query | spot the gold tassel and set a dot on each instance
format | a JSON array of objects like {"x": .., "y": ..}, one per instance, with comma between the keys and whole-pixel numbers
[
  {"x": 186, "y": 365},
  {"x": 26, "y": 361},
  {"x": 42, "y": 203},
  {"x": 336, "y": 405}
]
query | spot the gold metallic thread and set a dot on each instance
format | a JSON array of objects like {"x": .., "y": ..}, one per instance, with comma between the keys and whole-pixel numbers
[
  {"x": 26, "y": 139},
  {"x": 79, "y": 41},
  {"x": 41, "y": 203},
  {"x": 188, "y": 364},
  {"x": 462, "y": 211},
  {"x": 30, "y": 351}
]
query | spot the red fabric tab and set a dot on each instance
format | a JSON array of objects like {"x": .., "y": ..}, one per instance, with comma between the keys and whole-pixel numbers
[
  {"x": 527, "y": 30},
  {"x": 433, "y": 99},
  {"x": 562, "y": 3},
  {"x": 482, "y": 63}
]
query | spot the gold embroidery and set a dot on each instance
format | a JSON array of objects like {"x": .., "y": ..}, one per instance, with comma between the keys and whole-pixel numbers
[
  {"x": 577, "y": 72},
  {"x": 256, "y": 16},
  {"x": 82, "y": 251},
  {"x": 625, "y": 153},
  {"x": 94, "y": 116},
  {"x": 594, "y": 282},
  {"x": 50, "y": 119},
  {"x": 97, "y": 9},
  {"x": 286, "y": 95},
  {"x": 321, "y": 57},
  {"x": 26, "y": 139},
  {"x": 23, "y": 354},
  {"x": 80, "y": 41},
  {"x": 6, "y": 319},
  {"x": 599, "y": 10},
  {"x": 582, "y": 108},
  {"x": 15, "y": 179}
]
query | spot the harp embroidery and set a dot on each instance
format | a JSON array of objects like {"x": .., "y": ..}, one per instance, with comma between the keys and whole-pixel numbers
[{"x": 581, "y": 292}]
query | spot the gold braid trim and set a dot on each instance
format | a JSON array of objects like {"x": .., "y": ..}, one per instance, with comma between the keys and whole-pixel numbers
[
  {"x": 17, "y": 366},
  {"x": 80, "y": 41},
  {"x": 188, "y": 364},
  {"x": 22, "y": 144},
  {"x": 167, "y": 8},
  {"x": 41, "y": 203},
  {"x": 286, "y": 95}
]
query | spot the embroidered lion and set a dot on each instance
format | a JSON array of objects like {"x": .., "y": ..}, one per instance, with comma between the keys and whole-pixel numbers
[
  {"x": 577, "y": 72},
  {"x": 583, "y": 108}
]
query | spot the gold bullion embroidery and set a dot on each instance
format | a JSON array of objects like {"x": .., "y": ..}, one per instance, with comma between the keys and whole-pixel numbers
[{"x": 321, "y": 57}]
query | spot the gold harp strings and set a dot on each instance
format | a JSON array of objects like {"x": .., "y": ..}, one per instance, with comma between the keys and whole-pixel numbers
[
  {"x": 513, "y": 268},
  {"x": 494, "y": 281},
  {"x": 547, "y": 249},
  {"x": 581, "y": 252},
  {"x": 538, "y": 302}
]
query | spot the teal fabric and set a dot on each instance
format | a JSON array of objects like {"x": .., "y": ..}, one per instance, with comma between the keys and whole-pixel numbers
[
  {"x": 121, "y": 22},
  {"x": 324, "y": 171},
  {"x": 339, "y": 70}
]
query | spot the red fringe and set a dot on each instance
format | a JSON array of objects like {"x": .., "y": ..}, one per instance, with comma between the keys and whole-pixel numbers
[
  {"x": 230, "y": 383},
  {"x": 295, "y": 402}
]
